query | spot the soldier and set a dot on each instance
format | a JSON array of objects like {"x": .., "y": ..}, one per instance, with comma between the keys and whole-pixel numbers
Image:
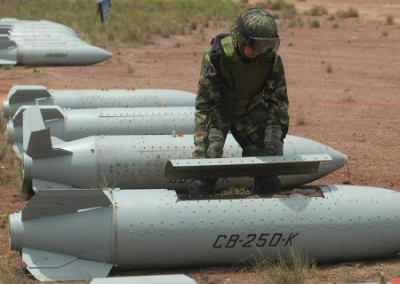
[{"x": 242, "y": 89}]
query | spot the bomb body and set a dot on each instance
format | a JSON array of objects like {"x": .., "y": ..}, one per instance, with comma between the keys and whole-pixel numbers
[{"x": 81, "y": 234}]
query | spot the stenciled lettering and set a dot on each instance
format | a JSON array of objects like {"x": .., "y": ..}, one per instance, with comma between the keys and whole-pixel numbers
[
  {"x": 249, "y": 240},
  {"x": 58, "y": 54}
]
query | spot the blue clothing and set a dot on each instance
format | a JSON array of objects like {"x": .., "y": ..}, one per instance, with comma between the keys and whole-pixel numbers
[{"x": 105, "y": 4}]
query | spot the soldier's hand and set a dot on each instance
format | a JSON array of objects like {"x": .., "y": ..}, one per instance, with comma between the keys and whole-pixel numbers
[
  {"x": 216, "y": 147},
  {"x": 273, "y": 140}
]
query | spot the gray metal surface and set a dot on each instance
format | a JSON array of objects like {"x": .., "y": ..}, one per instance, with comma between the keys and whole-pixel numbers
[
  {"x": 31, "y": 43},
  {"x": 147, "y": 279},
  {"x": 243, "y": 166},
  {"x": 137, "y": 161},
  {"x": 72, "y": 124},
  {"x": 13, "y": 23},
  {"x": 142, "y": 227},
  {"x": 20, "y": 95},
  {"x": 50, "y": 53}
]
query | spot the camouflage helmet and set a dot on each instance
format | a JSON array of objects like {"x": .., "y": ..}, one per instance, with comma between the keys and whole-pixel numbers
[{"x": 253, "y": 23}]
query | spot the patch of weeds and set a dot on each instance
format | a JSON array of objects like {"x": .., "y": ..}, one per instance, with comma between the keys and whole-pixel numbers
[
  {"x": 385, "y": 33},
  {"x": 193, "y": 26},
  {"x": 292, "y": 24},
  {"x": 318, "y": 10},
  {"x": 389, "y": 20},
  {"x": 329, "y": 69},
  {"x": 347, "y": 99},
  {"x": 301, "y": 120},
  {"x": 178, "y": 44},
  {"x": 314, "y": 24},
  {"x": 3, "y": 220},
  {"x": 300, "y": 22},
  {"x": 131, "y": 68},
  {"x": 7, "y": 67},
  {"x": 11, "y": 272},
  {"x": 38, "y": 74},
  {"x": 293, "y": 269},
  {"x": 3, "y": 124},
  {"x": 288, "y": 10},
  {"x": 131, "y": 20},
  {"x": 331, "y": 18},
  {"x": 349, "y": 13},
  {"x": 335, "y": 26},
  {"x": 10, "y": 171},
  {"x": 232, "y": 191}
]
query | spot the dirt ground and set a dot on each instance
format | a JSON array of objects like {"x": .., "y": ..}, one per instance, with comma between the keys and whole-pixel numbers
[{"x": 344, "y": 92}]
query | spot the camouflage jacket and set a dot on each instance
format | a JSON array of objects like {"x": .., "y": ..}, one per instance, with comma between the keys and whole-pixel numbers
[{"x": 208, "y": 118}]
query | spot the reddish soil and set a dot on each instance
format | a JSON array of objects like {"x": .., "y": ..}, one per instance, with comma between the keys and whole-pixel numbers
[{"x": 354, "y": 108}]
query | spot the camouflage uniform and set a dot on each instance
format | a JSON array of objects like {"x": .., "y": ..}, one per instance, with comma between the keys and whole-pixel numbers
[
  {"x": 244, "y": 105},
  {"x": 272, "y": 109}
]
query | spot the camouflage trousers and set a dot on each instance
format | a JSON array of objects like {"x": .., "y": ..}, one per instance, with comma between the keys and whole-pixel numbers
[{"x": 241, "y": 128}]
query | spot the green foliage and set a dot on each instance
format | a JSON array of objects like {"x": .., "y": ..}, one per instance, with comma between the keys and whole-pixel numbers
[
  {"x": 10, "y": 273},
  {"x": 276, "y": 5},
  {"x": 350, "y": 13},
  {"x": 232, "y": 191},
  {"x": 314, "y": 24},
  {"x": 295, "y": 269},
  {"x": 38, "y": 74},
  {"x": 288, "y": 10},
  {"x": 329, "y": 69},
  {"x": 128, "y": 20},
  {"x": 318, "y": 10},
  {"x": 331, "y": 18},
  {"x": 10, "y": 172},
  {"x": 389, "y": 20},
  {"x": 348, "y": 99}
]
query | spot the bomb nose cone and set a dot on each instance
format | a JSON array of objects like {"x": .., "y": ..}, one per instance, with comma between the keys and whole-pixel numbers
[
  {"x": 97, "y": 55},
  {"x": 339, "y": 159}
]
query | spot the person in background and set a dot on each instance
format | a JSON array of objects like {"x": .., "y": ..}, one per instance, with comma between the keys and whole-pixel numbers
[
  {"x": 103, "y": 7},
  {"x": 242, "y": 89}
]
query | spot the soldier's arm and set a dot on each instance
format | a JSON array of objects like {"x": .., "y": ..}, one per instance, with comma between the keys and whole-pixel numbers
[
  {"x": 276, "y": 95},
  {"x": 207, "y": 116}
]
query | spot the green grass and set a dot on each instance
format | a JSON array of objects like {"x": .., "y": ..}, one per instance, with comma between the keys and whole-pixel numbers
[
  {"x": 128, "y": 20},
  {"x": 314, "y": 24},
  {"x": 349, "y": 13},
  {"x": 287, "y": 10},
  {"x": 295, "y": 269},
  {"x": 318, "y": 10},
  {"x": 389, "y": 20}
]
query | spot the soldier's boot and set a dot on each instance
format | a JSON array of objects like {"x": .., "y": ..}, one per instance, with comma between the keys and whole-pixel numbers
[
  {"x": 267, "y": 185},
  {"x": 202, "y": 187}
]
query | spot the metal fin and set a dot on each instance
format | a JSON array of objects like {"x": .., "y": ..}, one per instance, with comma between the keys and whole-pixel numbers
[
  {"x": 50, "y": 266},
  {"x": 244, "y": 166},
  {"x": 48, "y": 113},
  {"x": 22, "y": 93},
  {"x": 36, "y": 137},
  {"x": 47, "y": 203}
]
